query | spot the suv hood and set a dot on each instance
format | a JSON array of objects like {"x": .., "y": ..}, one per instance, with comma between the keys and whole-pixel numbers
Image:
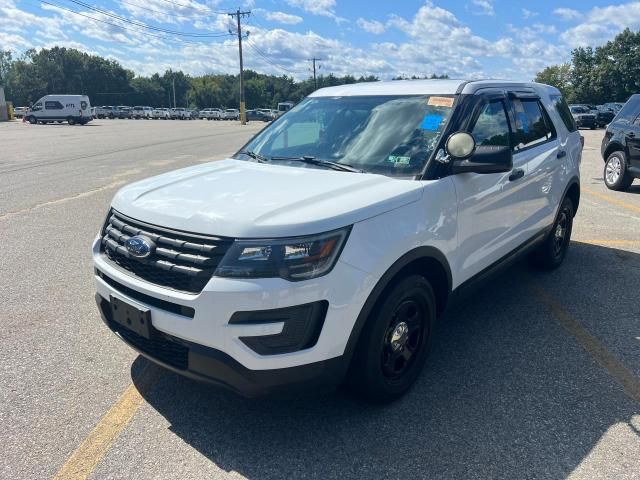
[{"x": 242, "y": 199}]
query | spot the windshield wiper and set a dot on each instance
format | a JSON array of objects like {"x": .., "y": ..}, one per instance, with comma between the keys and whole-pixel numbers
[
  {"x": 256, "y": 156},
  {"x": 343, "y": 167}
]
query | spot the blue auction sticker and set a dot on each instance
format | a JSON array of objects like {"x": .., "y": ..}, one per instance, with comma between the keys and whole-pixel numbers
[{"x": 431, "y": 122}]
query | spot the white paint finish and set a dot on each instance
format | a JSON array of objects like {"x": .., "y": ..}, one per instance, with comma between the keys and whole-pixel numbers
[{"x": 241, "y": 199}]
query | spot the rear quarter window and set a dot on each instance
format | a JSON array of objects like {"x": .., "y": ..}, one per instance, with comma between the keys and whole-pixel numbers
[
  {"x": 630, "y": 110},
  {"x": 565, "y": 114}
]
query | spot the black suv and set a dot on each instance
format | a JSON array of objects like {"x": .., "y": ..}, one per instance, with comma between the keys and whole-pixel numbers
[
  {"x": 621, "y": 147},
  {"x": 604, "y": 115}
]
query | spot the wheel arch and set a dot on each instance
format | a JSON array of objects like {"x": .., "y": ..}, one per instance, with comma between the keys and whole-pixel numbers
[
  {"x": 427, "y": 261},
  {"x": 615, "y": 146},
  {"x": 573, "y": 192}
]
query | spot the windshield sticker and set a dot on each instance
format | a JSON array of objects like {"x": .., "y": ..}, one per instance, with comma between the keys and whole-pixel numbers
[
  {"x": 399, "y": 160},
  {"x": 431, "y": 122},
  {"x": 440, "y": 101}
]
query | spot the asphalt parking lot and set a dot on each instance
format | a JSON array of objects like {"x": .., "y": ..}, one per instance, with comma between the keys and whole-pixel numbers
[{"x": 537, "y": 375}]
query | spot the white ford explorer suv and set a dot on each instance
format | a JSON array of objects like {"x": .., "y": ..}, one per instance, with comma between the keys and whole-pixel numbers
[{"x": 326, "y": 248}]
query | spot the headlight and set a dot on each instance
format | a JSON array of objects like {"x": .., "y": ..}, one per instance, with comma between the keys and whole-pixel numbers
[{"x": 294, "y": 259}]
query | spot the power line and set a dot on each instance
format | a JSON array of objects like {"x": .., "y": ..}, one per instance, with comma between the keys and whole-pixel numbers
[
  {"x": 239, "y": 15},
  {"x": 142, "y": 32},
  {"x": 269, "y": 61},
  {"x": 144, "y": 25},
  {"x": 168, "y": 14}
]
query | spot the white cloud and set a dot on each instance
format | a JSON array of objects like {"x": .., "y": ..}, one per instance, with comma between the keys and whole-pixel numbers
[
  {"x": 285, "y": 18},
  {"x": 371, "y": 26},
  {"x": 483, "y": 7},
  {"x": 316, "y": 7},
  {"x": 526, "y": 14},
  {"x": 601, "y": 24},
  {"x": 567, "y": 14}
]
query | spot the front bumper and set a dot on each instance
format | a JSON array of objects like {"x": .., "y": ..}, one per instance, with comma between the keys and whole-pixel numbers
[
  {"x": 215, "y": 349},
  {"x": 212, "y": 366}
]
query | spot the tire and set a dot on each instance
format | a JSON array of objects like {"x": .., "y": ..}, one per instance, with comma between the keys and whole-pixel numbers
[
  {"x": 32, "y": 120},
  {"x": 593, "y": 127},
  {"x": 550, "y": 254},
  {"x": 615, "y": 174},
  {"x": 71, "y": 120},
  {"x": 395, "y": 341}
]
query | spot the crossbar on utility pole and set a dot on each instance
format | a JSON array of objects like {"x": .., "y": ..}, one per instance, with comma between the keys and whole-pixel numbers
[{"x": 238, "y": 14}]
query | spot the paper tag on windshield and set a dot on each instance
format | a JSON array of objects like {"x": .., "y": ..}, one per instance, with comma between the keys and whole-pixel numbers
[{"x": 440, "y": 101}]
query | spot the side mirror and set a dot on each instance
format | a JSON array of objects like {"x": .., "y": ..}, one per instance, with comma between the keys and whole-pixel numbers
[
  {"x": 467, "y": 157},
  {"x": 460, "y": 145},
  {"x": 486, "y": 159}
]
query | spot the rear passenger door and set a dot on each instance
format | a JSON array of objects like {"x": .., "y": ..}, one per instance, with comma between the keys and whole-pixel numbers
[
  {"x": 492, "y": 211},
  {"x": 536, "y": 147},
  {"x": 632, "y": 135}
]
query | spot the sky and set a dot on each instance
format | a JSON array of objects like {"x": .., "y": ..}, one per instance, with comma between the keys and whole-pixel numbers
[{"x": 461, "y": 38}]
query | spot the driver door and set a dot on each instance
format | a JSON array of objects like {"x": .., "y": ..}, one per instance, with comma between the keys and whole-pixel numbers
[{"x": 491, "y": 207}]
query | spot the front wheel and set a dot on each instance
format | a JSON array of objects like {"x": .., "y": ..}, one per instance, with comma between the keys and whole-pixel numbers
[
  {"x": 33, "y": 120},
  {"x": 395, "y": 341},
  {"x": 71, "y": 121},
  {"x": 616, "y": 175},
  {"x": 550, "y": 254}
]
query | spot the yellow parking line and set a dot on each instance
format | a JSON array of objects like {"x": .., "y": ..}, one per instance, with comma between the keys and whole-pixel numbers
[
  {"x": 610, "y": 199},
  {"x": 630, "y": 383},
  {"x": 95, "y": 446}
]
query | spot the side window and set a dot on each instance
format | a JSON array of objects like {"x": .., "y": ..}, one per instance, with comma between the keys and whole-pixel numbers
[
  {"x": 492, "y": 126},
  {"x": 531, "y": 124},
  {"x": 565, "y": 114},
  {"x": 53, "y": 105},
  {"x": 37, "y": 107}
]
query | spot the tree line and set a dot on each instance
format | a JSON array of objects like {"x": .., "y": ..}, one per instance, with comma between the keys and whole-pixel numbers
[
  {"x": 70, "y": 71},
  {"x": 609, "y": 73}
]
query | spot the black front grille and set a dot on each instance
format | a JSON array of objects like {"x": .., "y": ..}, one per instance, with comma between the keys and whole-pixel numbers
[
  {"x": 181, "y": 261},
  {"x": 166, "y": 351}
]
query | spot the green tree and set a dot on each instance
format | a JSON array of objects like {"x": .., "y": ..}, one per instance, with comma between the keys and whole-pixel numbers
[{"x": 558, "y": 76}]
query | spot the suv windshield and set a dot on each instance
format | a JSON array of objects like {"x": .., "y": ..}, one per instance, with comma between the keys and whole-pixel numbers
[{"x": 390, "y": 135}]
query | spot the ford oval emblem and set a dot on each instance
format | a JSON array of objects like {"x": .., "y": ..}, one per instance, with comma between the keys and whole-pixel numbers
[{"x": 139, "y": 246}]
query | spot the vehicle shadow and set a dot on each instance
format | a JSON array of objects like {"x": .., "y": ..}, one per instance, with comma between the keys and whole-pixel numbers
[{"x": 507, "y": 393}]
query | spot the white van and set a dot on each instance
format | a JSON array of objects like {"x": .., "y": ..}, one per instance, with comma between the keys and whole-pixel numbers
[{"x": 75, "y": 109}]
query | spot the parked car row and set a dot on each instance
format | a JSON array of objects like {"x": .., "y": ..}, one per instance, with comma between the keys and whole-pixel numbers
[
  {"x": 144, "y": 112},
  {"x": 594, "y": 116}
]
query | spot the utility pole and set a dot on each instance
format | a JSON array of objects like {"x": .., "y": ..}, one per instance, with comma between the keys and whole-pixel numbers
[
  {"x": 173, "y": 82},
  {"x": 314, "y": 60},
  {"x": 238, "y": 14}
]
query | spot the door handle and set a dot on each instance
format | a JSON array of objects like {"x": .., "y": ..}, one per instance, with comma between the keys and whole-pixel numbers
[
  {"x": 561, "y": 154},
  {"x": 516, "y": 174}
]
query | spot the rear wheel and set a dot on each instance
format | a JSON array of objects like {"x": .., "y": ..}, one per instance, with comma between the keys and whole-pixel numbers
[
  {"x": 616, "y": 176},
  {"x": 550, "y": 254},
  {"x": 395, "y": 342}
]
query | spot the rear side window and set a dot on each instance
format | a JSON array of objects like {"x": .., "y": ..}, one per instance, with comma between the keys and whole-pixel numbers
[
  {"x": 532, "y": 127},
  {"x": 629, "y": 111},
  {"x": 492, "y": 126},
  {"x": 53, "y": 105},
  {"x": 565, "y": 114}
]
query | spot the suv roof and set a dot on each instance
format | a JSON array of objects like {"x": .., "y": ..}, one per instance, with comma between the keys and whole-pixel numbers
[{"x": 425, "y": 87}]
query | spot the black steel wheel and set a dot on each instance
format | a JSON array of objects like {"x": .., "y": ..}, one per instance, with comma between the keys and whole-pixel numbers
[
  {"x": 395, "y": 341},
  {"x": 551, "y": 252}
]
